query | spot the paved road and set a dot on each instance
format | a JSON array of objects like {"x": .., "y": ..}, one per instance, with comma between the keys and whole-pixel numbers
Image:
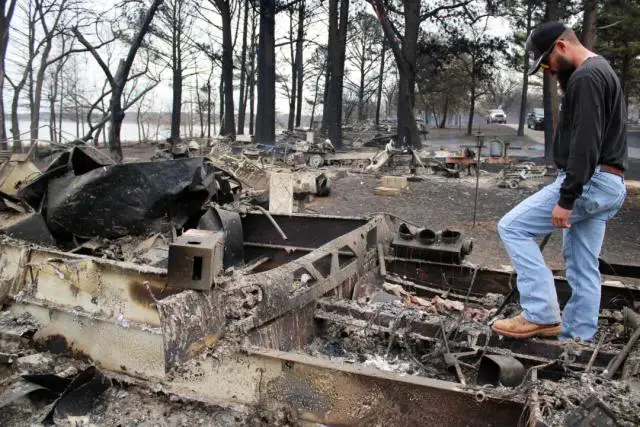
[
  {"x": 536, "y": 135},
  {"x": 633, "y": 138},
  {"x": 633, "y": 141}
]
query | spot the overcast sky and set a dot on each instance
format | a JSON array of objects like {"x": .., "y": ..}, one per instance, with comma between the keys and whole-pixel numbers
[{"x": 90, "y": 77}]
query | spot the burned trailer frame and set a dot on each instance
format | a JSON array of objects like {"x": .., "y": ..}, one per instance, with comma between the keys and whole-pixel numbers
[{"x": 233, "y": 345}]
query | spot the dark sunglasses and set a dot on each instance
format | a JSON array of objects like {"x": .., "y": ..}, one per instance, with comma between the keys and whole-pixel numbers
[{"x": 544, "y": 64}]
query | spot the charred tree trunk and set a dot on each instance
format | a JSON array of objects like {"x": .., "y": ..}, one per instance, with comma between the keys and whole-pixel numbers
[
  {"x": 472, "y": 105},
  {"x": 315, "y": 101},
  {"x": 118, "y": 81},
  {"x": 525, "y": 76},
  {"x": 443, "y": 122},
  {"x": 139, "y": 125},
  {"x": 209, "y": 108},
  {"x": 117, "y": 115},
  {"x": 37, "y": 96},
  {"x": 550, "y": 96},
  {"x": 61, "y": 109},
  {"x": 176, "y": 72},
  {"x": 588, "y": 36},
  {"x": 331, "y": 46},
  {"x": 242, "y": 104},
  {"x": 252, "y": 76},
  {"x": 294, "y": 80},
  {"x": 52, "y": 112},
  {"x": 176, "y": 107},
  {"x": 15, "y": 104},
  {"x": 77, "y": 111},
  {"x": 200, "y": 108},
  {"x": 333, "y": 106},
  {"x": 405, "y": 57},
  {"x": 96, "y": 138},
  {"x": 549, "y": 89},
  {"x": 266, "y": 121},
  {"x": 44, "y": 63},
  {"x": 380, "y": 81},
  {"x": 523, "y": 98},
  {"x": 229, "y": 126},
  {"x": 325, "y": 93},
  {"x": 5, "y": 22},
  {"x": 624, "y": 77},
  {"x": 299, "y": 63},
  {"x": 221, "y": 94},
  {"x": 252, "y": 103},
  {"x": 361, "y": 87}
]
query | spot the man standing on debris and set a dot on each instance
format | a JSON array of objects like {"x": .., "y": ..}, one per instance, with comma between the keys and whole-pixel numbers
[{"x": 590, "y": 151}]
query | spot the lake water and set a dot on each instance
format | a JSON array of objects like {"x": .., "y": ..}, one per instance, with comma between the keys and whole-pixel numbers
[{"x": 128, "y": 132}]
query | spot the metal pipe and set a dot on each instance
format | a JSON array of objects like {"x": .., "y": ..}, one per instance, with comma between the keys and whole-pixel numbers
[
  {"x": 475, "y": 202},
  {"x": 273, "y": 221},
  {"x": 595, "y": 353},
  {"x": 617, "y": 361}
]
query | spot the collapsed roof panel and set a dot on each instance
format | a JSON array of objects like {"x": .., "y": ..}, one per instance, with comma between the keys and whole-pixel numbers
[{"x": 81, "y": 195}]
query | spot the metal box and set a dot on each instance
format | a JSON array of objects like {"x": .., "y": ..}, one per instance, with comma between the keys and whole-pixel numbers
[{"x": 195, "y": 259}]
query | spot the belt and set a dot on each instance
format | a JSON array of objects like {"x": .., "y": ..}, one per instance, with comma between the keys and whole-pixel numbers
[{"x": 612, "y": 169}]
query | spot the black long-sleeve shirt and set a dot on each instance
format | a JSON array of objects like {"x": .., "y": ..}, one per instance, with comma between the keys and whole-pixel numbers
[{"x": 592, "y": 127}]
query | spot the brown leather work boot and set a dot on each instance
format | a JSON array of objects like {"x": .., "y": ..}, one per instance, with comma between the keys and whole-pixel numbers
[{"x": 519, "y": 327}]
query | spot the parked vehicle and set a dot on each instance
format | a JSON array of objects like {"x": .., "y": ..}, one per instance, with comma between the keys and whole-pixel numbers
[
  {"x": 535, "y": 119},
  {"x": 496, "y": 116}
]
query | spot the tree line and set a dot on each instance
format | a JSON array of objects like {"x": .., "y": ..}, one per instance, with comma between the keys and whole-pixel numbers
[{"x": 226, "y": 60}]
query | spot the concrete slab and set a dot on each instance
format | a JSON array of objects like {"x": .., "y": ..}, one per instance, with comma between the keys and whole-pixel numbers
[
  {"x": 386, "y": 191},
  {"x": 281, "y": 193},
  {"x": 399, "y": 182}
]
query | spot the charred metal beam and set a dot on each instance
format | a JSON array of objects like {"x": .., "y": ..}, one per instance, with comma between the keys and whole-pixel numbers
[
  {"x": 458, "y": 277},
  {"x": 450, "y": 276},
  {"x": 333, "y": 394},
  {"x": 619, "y": 270},
  {"x": 302, "y": 230},
  {"x": 428, "y": 327}
]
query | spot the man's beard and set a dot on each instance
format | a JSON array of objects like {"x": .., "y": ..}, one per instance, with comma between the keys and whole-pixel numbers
[{"x": 565, "y": 70}]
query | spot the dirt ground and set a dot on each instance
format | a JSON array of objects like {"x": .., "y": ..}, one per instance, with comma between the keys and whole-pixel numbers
[
  {"x": 436, "y": 202},
  {"x": 439, "y": 203}
]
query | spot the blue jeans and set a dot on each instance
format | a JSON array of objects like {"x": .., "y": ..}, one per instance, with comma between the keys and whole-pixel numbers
[{"x": 602, "y": 197}]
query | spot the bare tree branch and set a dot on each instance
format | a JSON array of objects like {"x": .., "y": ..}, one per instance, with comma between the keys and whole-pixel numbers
[
  {"x": 287, "y": 6},
  {"x": 96, "y": 55},
  {"x": 69, "y": 52},
  {"x": 437, "y": 10}
]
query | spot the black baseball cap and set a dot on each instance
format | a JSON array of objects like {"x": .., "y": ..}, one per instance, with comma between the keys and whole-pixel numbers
[{"x": 541, "y": 41}]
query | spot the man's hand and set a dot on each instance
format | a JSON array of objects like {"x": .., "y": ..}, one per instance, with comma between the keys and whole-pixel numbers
[{"x": 560, "y": 217}]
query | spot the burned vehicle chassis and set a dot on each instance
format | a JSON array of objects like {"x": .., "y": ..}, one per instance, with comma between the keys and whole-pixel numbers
[{"x": 239, "y": 344}]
